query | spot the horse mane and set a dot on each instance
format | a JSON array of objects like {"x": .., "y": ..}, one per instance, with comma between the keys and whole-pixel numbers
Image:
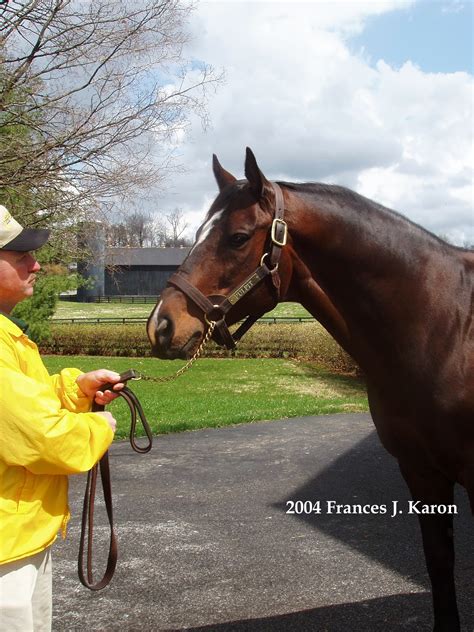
[
  {"x": 358, "y": 202},
  {"x": 345, "y": 197}
]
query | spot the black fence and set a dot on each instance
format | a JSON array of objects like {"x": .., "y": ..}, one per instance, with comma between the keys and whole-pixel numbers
[
  {"x": 111, "y": 299},
  {"x": 112, "y": 320}
]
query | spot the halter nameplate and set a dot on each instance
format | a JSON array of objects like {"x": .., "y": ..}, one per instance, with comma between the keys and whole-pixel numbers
[{"x": 245, "y": 288}]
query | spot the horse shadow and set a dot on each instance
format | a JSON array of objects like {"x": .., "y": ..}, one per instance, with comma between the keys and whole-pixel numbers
[
  {"x": 367, "y": 475},
  {"x": 362, "y": 616}
]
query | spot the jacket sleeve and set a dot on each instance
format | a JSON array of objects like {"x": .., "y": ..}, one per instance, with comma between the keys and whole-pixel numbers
[
  {"x": 40, "y": 434},
  {"x": 69, "y": 393}
]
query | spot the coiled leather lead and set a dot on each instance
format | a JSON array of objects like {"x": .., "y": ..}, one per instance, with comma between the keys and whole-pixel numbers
[{"x": 86, "y": 575}]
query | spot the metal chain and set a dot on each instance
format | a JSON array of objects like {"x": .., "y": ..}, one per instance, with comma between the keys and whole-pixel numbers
[{"x": 189, "y": 363}]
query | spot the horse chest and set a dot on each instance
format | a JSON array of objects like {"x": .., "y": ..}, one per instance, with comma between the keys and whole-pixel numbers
[{"x": 444, "y": 441}]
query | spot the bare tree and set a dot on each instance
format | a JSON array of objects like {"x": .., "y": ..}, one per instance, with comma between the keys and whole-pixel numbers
[
  {"x": 136, "y": 230},
  {"x": 91, "y": 94},
  {"x": 176, "y": 227},
  {"x": 140, "y": 230}
]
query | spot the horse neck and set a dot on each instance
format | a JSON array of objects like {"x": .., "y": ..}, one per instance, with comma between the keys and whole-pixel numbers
[{"x": 369, "y": 262}]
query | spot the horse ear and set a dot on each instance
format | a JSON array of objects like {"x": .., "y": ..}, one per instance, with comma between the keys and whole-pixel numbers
[
  {"x": 253, "y": 174},
  {"x": 223, "y": 177}
]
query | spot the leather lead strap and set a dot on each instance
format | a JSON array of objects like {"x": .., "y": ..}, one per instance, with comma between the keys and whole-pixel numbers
[
  {"x": 87, "y": 526},
  {"x": 86, "y": 577}
]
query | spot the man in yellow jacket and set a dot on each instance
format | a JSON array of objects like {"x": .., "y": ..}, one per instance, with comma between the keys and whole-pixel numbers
[{"x": 47, "y": 432}]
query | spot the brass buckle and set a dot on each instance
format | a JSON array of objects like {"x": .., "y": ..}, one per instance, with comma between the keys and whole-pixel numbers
[{"x": 276, "y": 241}]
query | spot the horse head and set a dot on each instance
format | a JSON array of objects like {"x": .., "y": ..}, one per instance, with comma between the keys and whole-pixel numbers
[{"x": 239, "y": 236}]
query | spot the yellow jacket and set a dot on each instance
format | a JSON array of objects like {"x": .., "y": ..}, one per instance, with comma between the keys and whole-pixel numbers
[{"x": 46, "y": 433}]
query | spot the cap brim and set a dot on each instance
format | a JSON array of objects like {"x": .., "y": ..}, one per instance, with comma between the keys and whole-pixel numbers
[{"x": 28, "y": 239}]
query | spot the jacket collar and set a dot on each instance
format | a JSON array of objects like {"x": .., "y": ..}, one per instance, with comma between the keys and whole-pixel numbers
[{"x": 13, "y": 325}]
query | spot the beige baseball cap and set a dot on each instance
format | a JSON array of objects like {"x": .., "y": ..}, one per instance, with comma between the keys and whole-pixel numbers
[{"x": 14, "y": 237}]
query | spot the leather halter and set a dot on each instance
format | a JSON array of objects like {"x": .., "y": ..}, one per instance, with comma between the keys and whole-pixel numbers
[{"x": 214, "y": 311}]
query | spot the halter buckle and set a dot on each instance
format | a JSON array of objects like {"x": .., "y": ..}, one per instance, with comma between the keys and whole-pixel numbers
[{"x": 278, "y": 225}]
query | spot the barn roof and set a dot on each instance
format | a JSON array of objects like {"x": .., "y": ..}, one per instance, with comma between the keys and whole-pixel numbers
[{"x": 145, "y": 256}]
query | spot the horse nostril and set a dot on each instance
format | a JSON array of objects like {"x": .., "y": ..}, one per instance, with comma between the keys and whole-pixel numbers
[
  {"x": 163, "y": 324},
  {"x": 164, "y": 330}
]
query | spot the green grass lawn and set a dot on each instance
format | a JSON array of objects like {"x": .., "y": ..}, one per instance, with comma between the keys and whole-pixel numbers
[
  {"x": 68, "y": 309},
  {"x": 219, "y": 392}
]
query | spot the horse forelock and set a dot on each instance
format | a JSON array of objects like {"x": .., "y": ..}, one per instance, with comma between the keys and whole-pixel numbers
[
  {"x": 236, "y": 195},
  {"x": 219, "y": 207},
  {"x": 226, "y": 196}
]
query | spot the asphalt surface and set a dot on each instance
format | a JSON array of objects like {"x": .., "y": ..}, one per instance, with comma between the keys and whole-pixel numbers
[{"x": 206, "y": 541}]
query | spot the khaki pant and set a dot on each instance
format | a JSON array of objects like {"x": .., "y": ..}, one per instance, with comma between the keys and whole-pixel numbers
[{"x": 26, "y": 594}]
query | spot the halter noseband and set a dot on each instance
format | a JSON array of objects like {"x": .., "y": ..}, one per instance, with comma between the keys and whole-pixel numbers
[{"x": 269, "y": 262}]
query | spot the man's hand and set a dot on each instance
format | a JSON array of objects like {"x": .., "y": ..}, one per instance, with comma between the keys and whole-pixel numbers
[{"x": 90, "y": 384}]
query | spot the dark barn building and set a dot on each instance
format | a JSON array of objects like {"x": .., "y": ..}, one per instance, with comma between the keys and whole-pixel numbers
[
  {"x": 140, "y": 271},
  {"x": 130, "y": 271}
]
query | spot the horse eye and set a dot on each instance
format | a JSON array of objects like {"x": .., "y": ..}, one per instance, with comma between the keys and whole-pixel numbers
[{"x": 238, "y": 239}]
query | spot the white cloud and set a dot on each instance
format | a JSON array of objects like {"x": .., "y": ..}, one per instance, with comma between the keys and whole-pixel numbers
[
  {"x": 455, "y": 6},
  {"x": 312, "y": 110}
]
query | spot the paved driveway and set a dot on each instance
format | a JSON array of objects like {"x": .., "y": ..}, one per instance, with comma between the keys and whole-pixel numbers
[{"x": 207, "y": 542}]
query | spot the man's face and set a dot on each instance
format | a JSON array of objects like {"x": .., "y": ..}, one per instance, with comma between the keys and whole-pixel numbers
[{"x": 17, "y": 277}]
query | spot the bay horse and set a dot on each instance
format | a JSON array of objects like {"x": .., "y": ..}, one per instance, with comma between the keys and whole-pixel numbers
[{"x": 395, "y": 297}]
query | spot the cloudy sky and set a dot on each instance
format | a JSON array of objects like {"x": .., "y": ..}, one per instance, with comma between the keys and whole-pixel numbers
[{"x": 374, "y": 95}]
